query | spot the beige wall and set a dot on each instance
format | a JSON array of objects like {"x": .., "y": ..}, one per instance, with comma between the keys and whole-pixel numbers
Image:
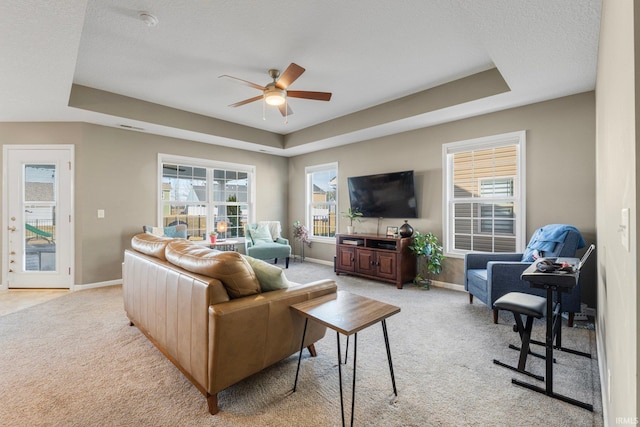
[
  {"x": 116, "y": 170},
  {"x": 560, "y": 171},
  {"x": 616, "y": 146}
]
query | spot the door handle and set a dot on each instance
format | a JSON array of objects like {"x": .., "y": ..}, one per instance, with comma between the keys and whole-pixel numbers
[{"x": 11, "y": 228}]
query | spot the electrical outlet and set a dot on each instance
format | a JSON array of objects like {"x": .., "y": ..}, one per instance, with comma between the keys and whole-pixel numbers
[{"x": 100, "y": 213}]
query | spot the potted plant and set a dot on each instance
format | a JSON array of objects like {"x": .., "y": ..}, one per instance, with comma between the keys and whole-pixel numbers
[
  {"x": 213, "y": 236},
  {"x": 429, "y": 253},
  {"x": 301, "y": 234},
  {"x": 353, "y": 216}
]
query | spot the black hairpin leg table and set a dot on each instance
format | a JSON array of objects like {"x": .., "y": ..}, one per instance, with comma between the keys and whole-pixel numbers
[{"x": 347, "y": 314}]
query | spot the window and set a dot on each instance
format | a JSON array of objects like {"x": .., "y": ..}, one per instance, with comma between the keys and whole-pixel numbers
[
  {"x": 322, "y": 196},
  {"x": 484, "y": 194},
  {"x": 205, "y": 195}
]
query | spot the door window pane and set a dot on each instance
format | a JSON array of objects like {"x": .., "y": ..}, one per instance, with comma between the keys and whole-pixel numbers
[{"x": 39, "y": 204}]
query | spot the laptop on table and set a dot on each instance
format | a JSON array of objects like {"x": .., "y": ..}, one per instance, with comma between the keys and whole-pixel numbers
[{"x": 576, "y": 264}]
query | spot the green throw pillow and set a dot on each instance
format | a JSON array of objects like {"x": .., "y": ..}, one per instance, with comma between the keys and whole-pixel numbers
[
  {"x": 261, "y": 235},
  {"x": 271, "y": 278}
]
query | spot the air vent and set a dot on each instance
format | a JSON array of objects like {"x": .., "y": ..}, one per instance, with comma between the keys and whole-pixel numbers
[{"x": 131, "y": 127}]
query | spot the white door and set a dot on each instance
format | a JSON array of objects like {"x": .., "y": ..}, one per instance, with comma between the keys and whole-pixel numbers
[{"x": 37, "y": 221}]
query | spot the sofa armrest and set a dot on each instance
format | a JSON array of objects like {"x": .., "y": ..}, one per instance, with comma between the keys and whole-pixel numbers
[{"x": 250, "y": 333}]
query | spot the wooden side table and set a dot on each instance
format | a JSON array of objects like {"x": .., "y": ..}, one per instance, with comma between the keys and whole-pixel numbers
[{"x": 347, "y": 314}]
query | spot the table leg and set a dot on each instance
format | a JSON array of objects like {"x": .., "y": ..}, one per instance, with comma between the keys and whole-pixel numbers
[
  {"x": 353, "y": 390},
  {"x": 558, "y": 326},
  {"x": 549, "y": 343},
  {"x": 340, "y": 377},
  {"x": 295, "y": 384},
  {"x": 386, "y": 343},
  {"x": 559, "y": 334},
  {"x": 551, "y": 327},
  {"x": 346, "y": 351}
]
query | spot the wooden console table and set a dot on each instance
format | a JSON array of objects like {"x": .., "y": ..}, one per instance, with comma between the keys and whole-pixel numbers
[{"x": 376, "y": 257}]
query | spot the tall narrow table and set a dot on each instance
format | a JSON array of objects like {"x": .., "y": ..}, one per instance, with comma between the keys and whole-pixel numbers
[
  {"x": 347, "y": 314},
  {"x": 557, "y": 282}
]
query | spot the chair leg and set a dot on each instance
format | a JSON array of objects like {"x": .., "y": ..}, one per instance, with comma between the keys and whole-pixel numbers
[
  {"x": 286, "y": 262},
  {"x": 570, "y": 320},
  {"x": 470, "y": 298},
  {"x": 525, "y": 336},
  {"x": 495, "y": 315}
]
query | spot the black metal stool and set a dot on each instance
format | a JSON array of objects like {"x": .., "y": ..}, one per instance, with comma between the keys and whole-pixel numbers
[{"x": 531, "y": 306}]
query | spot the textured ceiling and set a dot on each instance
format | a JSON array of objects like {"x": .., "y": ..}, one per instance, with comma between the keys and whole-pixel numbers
[{"x": 366, "y": 53}]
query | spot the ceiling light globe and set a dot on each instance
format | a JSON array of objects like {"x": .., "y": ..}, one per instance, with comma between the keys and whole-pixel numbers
[{"x": 274, "y": 97}]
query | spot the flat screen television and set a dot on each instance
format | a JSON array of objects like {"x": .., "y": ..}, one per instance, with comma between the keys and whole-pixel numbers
[{"x": 385, "y": 195}]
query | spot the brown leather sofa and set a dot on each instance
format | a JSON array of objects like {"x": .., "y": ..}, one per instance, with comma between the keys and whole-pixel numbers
[{"x": 205, "y": 310}]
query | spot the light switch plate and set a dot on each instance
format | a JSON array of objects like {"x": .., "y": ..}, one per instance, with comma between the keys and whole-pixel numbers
[
  {"x": 624, "y": 228},
  {"x": 100, "y": 213}
]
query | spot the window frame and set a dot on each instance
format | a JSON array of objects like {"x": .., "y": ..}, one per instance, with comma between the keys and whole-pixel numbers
[
  {"x": 209, "y": 165},
  {"x": 308, "y": 173},
  {"x": 517, "y": 139}
]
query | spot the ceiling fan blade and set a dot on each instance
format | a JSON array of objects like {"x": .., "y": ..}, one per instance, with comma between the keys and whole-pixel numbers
[
  {"x": 253, "y": 85},
  {"x": 289, "y": 76},
  {"x": 246, "y": 101},
  {"x": 285, "y": 110},
  {"x": 318, "y": 96}
]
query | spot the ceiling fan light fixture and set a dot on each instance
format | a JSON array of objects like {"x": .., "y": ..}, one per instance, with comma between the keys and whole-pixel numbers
[{"x": 274, "y": 96}]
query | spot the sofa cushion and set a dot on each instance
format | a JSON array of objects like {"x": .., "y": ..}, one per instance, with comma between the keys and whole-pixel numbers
[
  {"x": 261, "y": 235},
  {"x": 150, "y": 244},
  {"x": 230, "y": 268},
  {"x": 271, "y": 278}
]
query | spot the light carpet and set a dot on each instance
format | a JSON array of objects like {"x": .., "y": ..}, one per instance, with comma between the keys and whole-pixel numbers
[{"x": 75, "y": 361}]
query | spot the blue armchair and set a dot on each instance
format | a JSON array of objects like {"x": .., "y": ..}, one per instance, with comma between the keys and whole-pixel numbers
[
  {"x": 488, "y": 276},
  {"x": 263, "y": 241}
]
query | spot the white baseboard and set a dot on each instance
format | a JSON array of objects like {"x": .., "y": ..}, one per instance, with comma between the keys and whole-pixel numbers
[
  {"x": 97, "y": 285},
  {"x": 447, "y": 285},
  {"x": 313, "y": 260}
]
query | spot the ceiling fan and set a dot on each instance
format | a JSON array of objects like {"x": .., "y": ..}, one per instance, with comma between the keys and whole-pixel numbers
[{"x": 276, "y": 93}]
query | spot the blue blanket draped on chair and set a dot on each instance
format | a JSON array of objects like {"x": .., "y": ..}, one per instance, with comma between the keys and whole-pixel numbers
[{"x": 546, "y": 238}]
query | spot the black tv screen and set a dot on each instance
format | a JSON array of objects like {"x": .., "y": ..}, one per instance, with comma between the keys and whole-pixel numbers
[{"x": 386, "y": 195}]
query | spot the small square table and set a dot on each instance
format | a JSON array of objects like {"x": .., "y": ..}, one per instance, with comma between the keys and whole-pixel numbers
[{"x": 347, "y": 314}]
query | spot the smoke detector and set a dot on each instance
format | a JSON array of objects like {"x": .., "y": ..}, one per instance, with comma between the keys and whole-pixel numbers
[{"x": 148, "y": 19}]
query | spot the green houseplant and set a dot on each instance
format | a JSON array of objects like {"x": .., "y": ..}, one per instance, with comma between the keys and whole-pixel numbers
[
  {"x": 213, "y": 235},
  {"x": 353, "y": 216},
  {"x": 429, "y": 253}
]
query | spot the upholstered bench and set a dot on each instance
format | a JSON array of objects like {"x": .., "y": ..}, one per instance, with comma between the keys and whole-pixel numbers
[{"x": 531, "y": 306}]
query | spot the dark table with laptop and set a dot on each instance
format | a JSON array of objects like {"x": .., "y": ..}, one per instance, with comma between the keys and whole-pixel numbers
[{"x": 555, "y": 275}]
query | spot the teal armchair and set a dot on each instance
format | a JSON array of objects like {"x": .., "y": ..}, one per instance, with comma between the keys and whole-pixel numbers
[{"x": 263, "y": 241}]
